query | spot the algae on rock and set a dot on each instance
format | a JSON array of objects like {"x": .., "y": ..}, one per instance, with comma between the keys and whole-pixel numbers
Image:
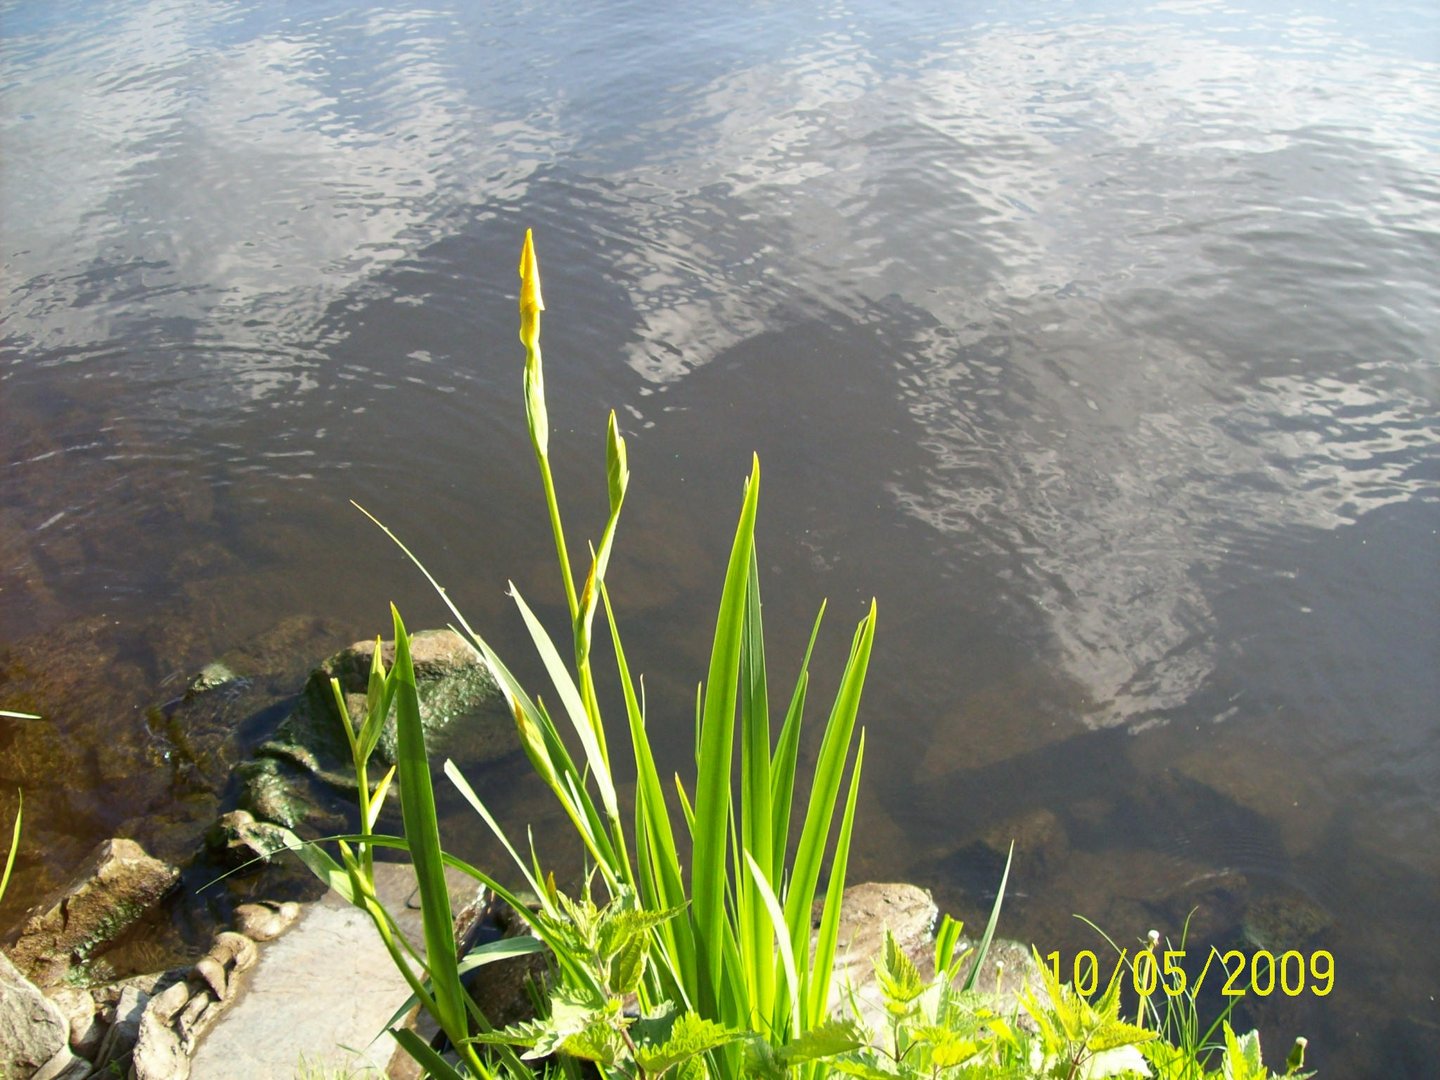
[{"x": 452, "y": 681}]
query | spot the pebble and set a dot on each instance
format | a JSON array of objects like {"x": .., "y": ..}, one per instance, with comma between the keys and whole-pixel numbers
[{"x": 265, "y": 921}]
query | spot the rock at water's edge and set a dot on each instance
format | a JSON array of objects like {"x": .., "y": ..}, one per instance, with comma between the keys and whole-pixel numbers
[
  {"x": 908, "y": 912},
  {"x": 451, "y": 680},
  {"x": 117, "y": 885}
]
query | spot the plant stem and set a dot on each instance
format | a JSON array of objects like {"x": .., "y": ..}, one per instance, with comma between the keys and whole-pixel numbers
[
  {"x": 367, "y": 860},
  {"x": 555, "y": 527}
]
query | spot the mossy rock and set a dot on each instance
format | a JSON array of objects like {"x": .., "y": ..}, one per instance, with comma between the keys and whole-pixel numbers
[
  {"x": 275, "y": 791},
  {"x": 1279, "y": 922},
  {"x": 453, "y": 685},
  {"x": 118, "y": 884}
]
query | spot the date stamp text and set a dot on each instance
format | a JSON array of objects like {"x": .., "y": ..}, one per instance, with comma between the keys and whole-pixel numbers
[{"x": 1152, "y": 971}]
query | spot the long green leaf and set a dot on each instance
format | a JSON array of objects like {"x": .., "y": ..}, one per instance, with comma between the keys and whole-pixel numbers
[
  {"x": 489, "y": 953},
  {"x": 780, "y": 933},
  {"x": 822, "y": 967},
  {"x": 532, "y": 876},
  {"x": 417, "y": 806},
  {"x": 538, "y": 924},
  {"x": 989, "y": 935},
  {"x": 329, "y": 872},
  {"x": 617, "y": 472},
  {"x": 344, "y": 713},
  {"x": 538, "y": 737},
  {"x": 542, "y": 744},
  {"x": 574, "y": 704},
  {"x": 527, "y": 716},
  {"x": 653, "y": 833},
  {"x": 686, "y": 809},
  {"x": 468, "y": 793},
  {"x": 377, "y": 798},
  {"x": 352, "y": 883},
  {"x": 829, "y": 767},
  {"x": 712, "y": 785},
  {"x": 947, "y": 942},
  {"x": 14, "y": 842},
  {"x": 379, "y": 695},
  {"x": 787, "y": 752},
  {"x": 755, "y": 791},
  {"x": 757, "y": 832},
  {"x": 402, "y": 954},
  {"x": 430, "y": 1061}
]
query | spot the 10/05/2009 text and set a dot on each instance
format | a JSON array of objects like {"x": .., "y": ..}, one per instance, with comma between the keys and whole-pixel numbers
[{"x": 1262, "y": 973}]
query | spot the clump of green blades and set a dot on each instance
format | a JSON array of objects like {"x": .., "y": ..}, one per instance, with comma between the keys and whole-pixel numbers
[{"x": 723, "y": 977}]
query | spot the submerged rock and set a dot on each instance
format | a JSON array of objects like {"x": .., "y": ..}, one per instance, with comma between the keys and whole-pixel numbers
[
  {"x": 452, "y": 681},
  {"x": 273, "y": 790},
  {"x": 213, "y": 676},
  {"x": 1279, "y": 922},
  {"x": 237, "y": 839},
  {"x": 152, "y": 1025},
  {"x": 1203, "y": 910},
  {"x": 1039, "y": 836}
]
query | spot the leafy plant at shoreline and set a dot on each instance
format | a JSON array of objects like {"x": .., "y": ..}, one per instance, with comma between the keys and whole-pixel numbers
[
  {"x": 934, "y": 1028},
  {"x": 1075, "y": 1031},
  {"x": 735, "y": 975},
  {"x": 735, "y": 950},
  {"x": 938, "y": 1030}
]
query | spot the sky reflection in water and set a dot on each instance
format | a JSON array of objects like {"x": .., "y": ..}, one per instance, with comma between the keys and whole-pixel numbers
[{"x": 1102, "y": 338}]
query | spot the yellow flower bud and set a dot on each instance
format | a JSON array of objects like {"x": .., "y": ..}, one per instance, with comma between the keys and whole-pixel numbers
[{"x": 531, "y": 303}]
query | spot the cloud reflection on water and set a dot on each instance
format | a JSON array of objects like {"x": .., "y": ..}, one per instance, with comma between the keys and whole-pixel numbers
[
  {"x": 1183, "y": 202},
  {"x": 176, "y": 167},
  {"x": 1105, "y": 221}
]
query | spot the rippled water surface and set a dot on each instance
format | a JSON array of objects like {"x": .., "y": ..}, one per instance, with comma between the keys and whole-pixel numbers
[{"x": 1097, "y": 341}]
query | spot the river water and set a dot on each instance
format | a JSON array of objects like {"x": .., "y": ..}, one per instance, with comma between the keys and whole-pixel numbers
[{"x": 1097, "y": 341}]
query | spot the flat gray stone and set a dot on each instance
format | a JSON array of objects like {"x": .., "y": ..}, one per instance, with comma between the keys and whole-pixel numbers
[
  {"x": 32, "y": 1029},
  {"x": 65, "y": 1065},
  {"x": 320, "y": 995},
  {"x": 327, "y": 985}
]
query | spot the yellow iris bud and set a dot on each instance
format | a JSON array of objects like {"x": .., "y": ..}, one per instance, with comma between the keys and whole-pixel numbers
[{"x": 530, "y": 302}]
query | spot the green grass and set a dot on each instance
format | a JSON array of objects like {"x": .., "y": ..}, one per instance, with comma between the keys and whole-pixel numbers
[{"x": 308, "y": 1070}]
